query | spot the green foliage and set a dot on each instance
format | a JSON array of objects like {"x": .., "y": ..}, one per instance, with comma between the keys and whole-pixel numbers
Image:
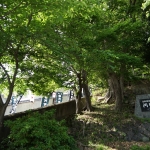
[
  {"x": 99, "y": 92},
  {"x": 143, "y": 119},
  {"x": 135, "y": 147},
  {"x": 145, "y": 4},
  {"x": 102, "y": 147},
  {"x": 37, "y": 131}
]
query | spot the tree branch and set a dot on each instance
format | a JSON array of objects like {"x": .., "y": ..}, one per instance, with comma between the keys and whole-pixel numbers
[
  {"x": 10, "y": 11},
  {"x": 1, "y": 100},
  {"x": 4, "y": 69},
  {"x": 11, "y": 84}
]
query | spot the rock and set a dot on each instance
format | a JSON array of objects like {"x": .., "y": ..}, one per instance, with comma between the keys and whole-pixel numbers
[
  {"x": 129, "y": 135},
  {"x": 137, "y": 137},
  {"x": 140, "y": 110},
  {"x": 144, "y": 129},
  {"x": 145, "y": 139}
]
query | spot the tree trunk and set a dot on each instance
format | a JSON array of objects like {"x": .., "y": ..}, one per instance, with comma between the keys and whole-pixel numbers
[
  {"x": 116, "y": 87},
  {"x": 2, "y": 113},
  {"x": 79, "y": 93},
  {"x": 86, "y": 90},
  {"x": 11, "y": 82},
  {"x": 108, "y": 96},
  {"x": 3, "y": 106},
  {"x": 122, "y": 86}
]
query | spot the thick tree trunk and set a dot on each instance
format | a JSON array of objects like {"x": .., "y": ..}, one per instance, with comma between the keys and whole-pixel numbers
[
  {"x": 122, "y": 70},
  {"x": 110, "y": 96},
  {"x": 79, "y": 93},
  {"x": 116, "y": 87},
  {"x": 122, "y": 86},
  {"x": 86, "y": 90},
  {"x": 87, "y": 97}
]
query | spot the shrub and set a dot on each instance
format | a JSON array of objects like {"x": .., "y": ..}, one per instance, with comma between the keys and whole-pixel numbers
[
  {"x": 135, "y": 147},
  {"x": 37, "y": 131}
]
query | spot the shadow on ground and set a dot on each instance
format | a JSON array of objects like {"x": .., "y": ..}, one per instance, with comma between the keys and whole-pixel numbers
[{"x": 104, "y": 126}]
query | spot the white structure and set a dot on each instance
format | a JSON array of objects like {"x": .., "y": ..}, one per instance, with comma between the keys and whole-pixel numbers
[{"x": 28, "y": 102}]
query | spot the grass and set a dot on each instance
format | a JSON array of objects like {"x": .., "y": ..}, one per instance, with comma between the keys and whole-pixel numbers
[{"x": 103, "y": 129}]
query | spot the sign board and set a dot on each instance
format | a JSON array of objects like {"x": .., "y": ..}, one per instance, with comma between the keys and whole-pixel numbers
[
  {"x": 142, "y": 106},
  {"x": 71, "y": 95},
  {"x": 145, "y": 105},
  {"x": 59, "y": 97},
  {"x": 45, "y": 101}
]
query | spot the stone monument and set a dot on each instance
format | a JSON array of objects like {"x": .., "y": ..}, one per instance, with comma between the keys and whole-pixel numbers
[{"x": 142, "y": 106}]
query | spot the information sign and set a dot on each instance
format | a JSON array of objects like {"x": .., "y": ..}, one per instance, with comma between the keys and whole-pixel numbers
[
  {"x": 59, "y": 97},
  {"x": 45, "y": 101},
  {"x": 145, "y": 104},
  {"x": 71, "y": 96}
]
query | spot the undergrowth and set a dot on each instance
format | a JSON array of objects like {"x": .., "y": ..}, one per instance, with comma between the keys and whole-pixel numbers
[
  {"x": 37, "y": 131},
  {"x": 105, "y": 129}
]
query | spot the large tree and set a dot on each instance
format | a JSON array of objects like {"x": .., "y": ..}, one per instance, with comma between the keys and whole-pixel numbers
[
  {"x": 106, "y": 37},
  {"x": 103, "y": 37},
  {"x": 121, "y": 40},
  {"x": 65, "y": 39},
  {"x": 71, "y": 49},
  {"x": 21, "y": 23}
]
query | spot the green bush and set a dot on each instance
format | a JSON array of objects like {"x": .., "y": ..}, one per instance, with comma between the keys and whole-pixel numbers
[
  {"x": 135, "y": 147},
  {"x": 37, "y": 131}
]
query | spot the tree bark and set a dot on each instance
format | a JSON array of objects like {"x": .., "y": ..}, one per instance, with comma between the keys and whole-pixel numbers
[
  {"x": 2, "y": 112},
  {"x": 3, "y": 107},
  {"x": 108, "y": 96},
  {"x": 122, "y": 86},
  {"x": 116, "y": 87},
  {"x": 79, "y": 93},
  {"x": 86, "y": 90}
]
